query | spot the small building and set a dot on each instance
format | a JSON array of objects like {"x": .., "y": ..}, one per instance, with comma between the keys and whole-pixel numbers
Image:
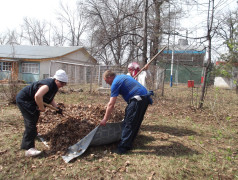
[
  {"x": 32, "y": 63},
  {"x": 225, "y": 82},
  {"x": 185, "y": 54},
  {"x": 186, "y": 61}
]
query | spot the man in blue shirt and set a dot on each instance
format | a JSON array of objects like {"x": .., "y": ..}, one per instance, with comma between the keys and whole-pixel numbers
[{"x": 137, "y": 98}]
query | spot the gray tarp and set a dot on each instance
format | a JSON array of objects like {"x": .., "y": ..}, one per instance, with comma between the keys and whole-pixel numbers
[{"x": 100, "y": 135}]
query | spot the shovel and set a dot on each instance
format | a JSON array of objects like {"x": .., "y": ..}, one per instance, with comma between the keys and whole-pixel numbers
[
  {"x": 54, "y": 108},
  {"x": 50, "y": 106}
]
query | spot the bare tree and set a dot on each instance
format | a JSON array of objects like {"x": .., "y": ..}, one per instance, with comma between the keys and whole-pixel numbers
[
  {"x": 74, "y": 28},
  {"x": 227, "y": 31},
  {"x": 145, "y": 20},
  {"x": 58, "y": 37},
  {"x": 10, "y": 37},
  {"x": 122, "y": 30},
  {"x": 228, "y": 34},
  {"x": 3, "y": 38},
  {"x": 207, "y": 68},
  {"x": 36, "y": 32},
  {"x": 113, "y": 29},
  {"x": 156, "y": 30}
]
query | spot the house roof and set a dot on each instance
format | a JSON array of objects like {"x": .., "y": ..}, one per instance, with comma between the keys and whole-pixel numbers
[{"x": 35, "y": 52}]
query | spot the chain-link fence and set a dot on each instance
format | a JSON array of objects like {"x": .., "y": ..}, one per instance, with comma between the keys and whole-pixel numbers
[
  {"x": 92, "y": 74},
  {"x": 89, "y": 74}
]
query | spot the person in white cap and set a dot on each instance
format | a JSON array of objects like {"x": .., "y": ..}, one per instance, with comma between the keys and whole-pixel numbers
[{"x": 30, "y": 102}]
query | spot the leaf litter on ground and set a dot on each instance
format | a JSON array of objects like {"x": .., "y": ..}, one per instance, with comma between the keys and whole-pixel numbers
[{"x": 62, "y": 131}]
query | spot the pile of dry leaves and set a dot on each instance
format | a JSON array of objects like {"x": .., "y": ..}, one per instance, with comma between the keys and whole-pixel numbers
[{"x": 62, "y": 131}]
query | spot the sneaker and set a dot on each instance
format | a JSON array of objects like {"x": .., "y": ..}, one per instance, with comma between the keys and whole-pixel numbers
[{"x": 32, "y": 152}]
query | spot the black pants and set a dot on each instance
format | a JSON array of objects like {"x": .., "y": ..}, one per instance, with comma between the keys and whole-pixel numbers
[
  {"x": 134, "y": 115},
  {"x": 30, "y": 133}
]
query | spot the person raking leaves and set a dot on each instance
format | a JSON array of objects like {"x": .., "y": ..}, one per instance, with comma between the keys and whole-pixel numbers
[
  {"x": 30, "y": 102},
  {"x": 138, "y": 99},
  {"x": 134, "y": 68}
]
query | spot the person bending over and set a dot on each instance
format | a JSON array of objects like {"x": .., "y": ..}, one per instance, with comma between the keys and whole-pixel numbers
[
  {"x": 30, "y": 102},
  {"x": 137, "y": 98}
]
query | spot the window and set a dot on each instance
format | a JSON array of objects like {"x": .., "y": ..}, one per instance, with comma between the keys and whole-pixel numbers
[
  {"x": 45, "y": 76},
  {"x": 32, "y": 68},
  {"x": 6, "y": 66}
]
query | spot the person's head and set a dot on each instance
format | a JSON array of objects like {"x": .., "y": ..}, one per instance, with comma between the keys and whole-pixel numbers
[
  {"x": 109, "y": 76},
  {"x": 133, "y": 68},
  {"x": 61, "y": 78}
]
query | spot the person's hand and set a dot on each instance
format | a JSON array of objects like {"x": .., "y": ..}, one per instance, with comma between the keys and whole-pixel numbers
[
  {"x": 59, "y": 111},
  {"x": 41, "y": 109},
  {"x": 103, "y": 122}
]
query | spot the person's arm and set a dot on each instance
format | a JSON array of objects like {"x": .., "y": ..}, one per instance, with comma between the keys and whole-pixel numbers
[
  {"x": 39, "y": 97},
  {"x": 109, "y": 110},
  {"x": 53, "y": 103}
]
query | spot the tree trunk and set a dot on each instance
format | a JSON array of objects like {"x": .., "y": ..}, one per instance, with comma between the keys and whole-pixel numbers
[
  {"x": 144, "y": 53},
  {"x": 156, "y": 33},
  {"x": 209, "y": 38},
  {"x": 206, "y": 70}
]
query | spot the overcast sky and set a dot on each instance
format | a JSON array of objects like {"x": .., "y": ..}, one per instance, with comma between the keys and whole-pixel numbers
[{"x": 12, "y": 12}]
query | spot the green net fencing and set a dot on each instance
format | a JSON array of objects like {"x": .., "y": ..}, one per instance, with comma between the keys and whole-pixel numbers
[{"x": 182, "y": 73}]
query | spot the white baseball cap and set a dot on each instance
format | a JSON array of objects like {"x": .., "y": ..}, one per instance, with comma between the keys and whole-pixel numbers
[{"x": 61, "y": 75}]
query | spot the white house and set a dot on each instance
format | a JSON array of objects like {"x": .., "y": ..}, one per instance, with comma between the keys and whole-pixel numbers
[{"x": 32, "y": 63}]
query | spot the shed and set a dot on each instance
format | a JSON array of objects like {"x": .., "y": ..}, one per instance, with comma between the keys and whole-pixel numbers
[
  {"x": 32, "y": 63},
  {"x": 185, "y": 54},
  {"x": 188, "y": 62},
  {"x": 225, "y": 82}
]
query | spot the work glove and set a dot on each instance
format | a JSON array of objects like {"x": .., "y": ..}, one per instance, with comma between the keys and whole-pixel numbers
[{"x": 59, "y": 111}]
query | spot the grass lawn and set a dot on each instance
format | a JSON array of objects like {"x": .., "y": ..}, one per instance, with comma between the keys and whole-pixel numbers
[{"x": 176, "y": 141}]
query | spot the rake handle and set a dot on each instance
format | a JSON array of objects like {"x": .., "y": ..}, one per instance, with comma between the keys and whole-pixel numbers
[{"x": 142, "y": 69}]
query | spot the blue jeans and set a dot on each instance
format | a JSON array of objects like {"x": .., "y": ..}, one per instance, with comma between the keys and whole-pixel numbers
[
  {"x": 134, "y": 115},
  {"x": 30, "y": 133}
]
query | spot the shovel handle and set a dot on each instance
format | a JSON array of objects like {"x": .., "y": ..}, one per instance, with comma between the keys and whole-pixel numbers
[
  {"x": 54, "y": 108},
  {"x": 50, "y": 106}
]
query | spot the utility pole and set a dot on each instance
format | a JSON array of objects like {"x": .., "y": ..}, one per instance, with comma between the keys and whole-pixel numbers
[
  {"x": 172, "y": 65},
  {"x": 172, "y": 59}
]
